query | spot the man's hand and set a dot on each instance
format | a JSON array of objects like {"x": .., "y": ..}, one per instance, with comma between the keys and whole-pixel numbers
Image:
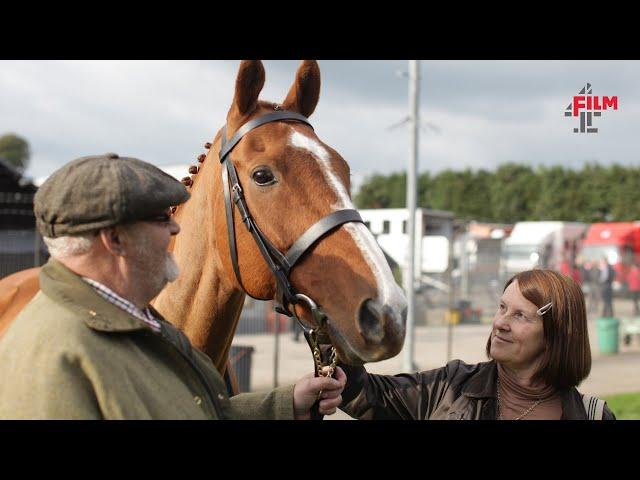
[{"x": 309, "y": 389}]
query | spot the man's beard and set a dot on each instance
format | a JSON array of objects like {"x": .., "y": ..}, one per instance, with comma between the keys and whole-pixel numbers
[
  {"x": 161, "y": 273},
  {"x": 171, "y": 268},
  {"x": 157, "y": 273}
]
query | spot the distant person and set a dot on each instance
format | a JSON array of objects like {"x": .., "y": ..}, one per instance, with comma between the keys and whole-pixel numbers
[
  {"x": 633, "y": 280},
  {"x": 539, "y": 350},
  {"x": 606, "y": 274},
  {"x": 576, "y": 275},
  {"x": 565, "y": 268},
  {"x": 545, "y": 260},
  {"x": 591, "y": 274},
  {"x": 576, "y": 271},
  {"x": 570, "y": 270}
]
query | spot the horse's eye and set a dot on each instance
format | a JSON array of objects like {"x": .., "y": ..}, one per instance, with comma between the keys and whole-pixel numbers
[{"x": 263, "y": 176}]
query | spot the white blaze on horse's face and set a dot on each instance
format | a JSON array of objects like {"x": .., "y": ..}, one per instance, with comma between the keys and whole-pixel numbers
[{"x": 389, "y": 293}]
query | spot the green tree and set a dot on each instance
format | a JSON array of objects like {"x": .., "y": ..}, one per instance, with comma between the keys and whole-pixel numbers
[
  {"x": 597, "y": 185},
  {"x": 442, "y": 195},
  {"x": 398, "y": 190},
  {"x": 382, "y": 191},
  {"x": 15, "y": 151},
  {"x": 514, "y": 191},
  {"x": 466, "y": 193},
  {"x": 479, "y": 197},
  {"x": 425, "y": 182},
  {"x": 625, "y": 198},
  {"x": 561, "y": 196}
]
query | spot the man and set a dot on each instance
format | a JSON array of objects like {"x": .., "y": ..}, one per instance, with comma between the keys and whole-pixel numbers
[
  {"x": 89, "y": 346},
  {"x": 606, "y": 274},
  {"x": 591, "y": 273}
]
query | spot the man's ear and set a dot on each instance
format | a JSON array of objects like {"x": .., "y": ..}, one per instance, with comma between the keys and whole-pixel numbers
[{"x": 112, "y": 240}]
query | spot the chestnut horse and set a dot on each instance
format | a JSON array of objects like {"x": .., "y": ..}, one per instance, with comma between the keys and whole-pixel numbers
[{"x": 290, "y": 180}]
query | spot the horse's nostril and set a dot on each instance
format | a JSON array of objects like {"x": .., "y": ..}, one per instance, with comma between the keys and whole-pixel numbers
[
  {"x": 403, "y": 316},
  {"x": 371, "y": 318}
]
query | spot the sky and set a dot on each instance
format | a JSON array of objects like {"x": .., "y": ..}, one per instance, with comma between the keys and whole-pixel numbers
[{"x": 475, "y": 114}]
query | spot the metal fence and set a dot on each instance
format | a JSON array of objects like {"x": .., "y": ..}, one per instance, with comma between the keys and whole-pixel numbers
[
  {"x": 21, "y": 249},
  {"x": 240, "y": 357},
  {"x": 258, "y": 317}
]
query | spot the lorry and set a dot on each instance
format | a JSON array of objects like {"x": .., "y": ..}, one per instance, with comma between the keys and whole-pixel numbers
[
  {"x": 543, "y": 244},
  {"x": 618, "y": 242}
]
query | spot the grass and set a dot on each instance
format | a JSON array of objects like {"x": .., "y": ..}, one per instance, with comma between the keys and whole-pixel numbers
[{"x": 625, "y": 406}]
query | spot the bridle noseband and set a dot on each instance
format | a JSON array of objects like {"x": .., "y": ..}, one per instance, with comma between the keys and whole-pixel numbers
[{"x": 280, "y": 264}]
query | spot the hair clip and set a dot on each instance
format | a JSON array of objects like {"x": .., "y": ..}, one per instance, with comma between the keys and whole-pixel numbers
[{"x": 544, "y": 309}]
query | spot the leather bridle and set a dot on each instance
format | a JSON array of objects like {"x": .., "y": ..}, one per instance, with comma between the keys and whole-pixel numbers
[{"x": 279, "y": 263}]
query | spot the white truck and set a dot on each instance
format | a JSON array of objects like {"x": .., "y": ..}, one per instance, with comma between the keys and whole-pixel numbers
[
  {"x": 433, "y": 230},
  {"x": 539, "y": 244}
]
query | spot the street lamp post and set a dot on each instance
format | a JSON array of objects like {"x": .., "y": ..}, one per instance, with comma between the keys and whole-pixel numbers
[{"x": 409, "y": 277}]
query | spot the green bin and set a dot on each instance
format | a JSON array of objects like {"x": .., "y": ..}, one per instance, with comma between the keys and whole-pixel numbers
[{"x": 607, "y": 329}]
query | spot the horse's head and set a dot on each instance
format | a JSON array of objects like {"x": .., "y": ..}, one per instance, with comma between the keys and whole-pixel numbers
[{"x": 290, "y": 180}]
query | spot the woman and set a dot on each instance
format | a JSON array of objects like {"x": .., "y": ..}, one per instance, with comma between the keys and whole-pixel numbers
[
  {"x": 633, "y": 281},
  {"x": 539, "y": 351}
]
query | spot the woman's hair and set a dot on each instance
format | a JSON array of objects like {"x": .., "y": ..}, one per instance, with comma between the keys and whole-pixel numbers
[{"x": 566, "y": 360}]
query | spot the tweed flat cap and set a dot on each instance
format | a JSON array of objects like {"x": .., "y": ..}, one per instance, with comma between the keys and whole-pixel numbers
[{"x": 101, "y": 191}]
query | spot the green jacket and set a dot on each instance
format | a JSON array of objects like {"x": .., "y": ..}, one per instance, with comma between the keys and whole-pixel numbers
[{"x": 70, "y": 354}]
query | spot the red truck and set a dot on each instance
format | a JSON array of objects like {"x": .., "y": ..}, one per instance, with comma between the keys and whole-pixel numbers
[{"x": 619, "y": 242}]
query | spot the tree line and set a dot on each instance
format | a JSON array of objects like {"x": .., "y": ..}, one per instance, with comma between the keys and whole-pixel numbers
[
  {"x": 515, "y": 192},
  {"x": 15, "y": 151}
]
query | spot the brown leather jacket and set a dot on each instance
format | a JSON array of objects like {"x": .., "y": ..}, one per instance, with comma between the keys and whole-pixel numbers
[{"x": 458, "y": 391}]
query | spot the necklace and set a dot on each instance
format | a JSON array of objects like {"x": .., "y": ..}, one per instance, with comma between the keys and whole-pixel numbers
[{"x": 522, "y": 415}]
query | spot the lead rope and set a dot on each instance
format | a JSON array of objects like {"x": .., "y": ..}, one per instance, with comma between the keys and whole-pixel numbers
[
  {"x": 311, "y": 336},
  {"x": 317, "y": 356},
  {"x": 312, "y": 340}
]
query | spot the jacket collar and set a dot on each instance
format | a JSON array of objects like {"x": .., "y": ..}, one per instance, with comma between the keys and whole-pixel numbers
[
  {"x": 483, "y": 383},
  {"x": 68, "y": 289},
  {"x": 572, "y": 406}
]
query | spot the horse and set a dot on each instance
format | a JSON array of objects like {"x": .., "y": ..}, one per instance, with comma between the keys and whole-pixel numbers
[
  {"x": 290, "y": 183},
  {"x": 16, "y": 291}
]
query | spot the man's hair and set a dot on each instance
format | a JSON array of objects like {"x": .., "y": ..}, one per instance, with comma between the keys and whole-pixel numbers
[
  {"x": 69, "y": 246},
  {"x": 73, "y": 245},
  {"x": 566, "y": 360}
]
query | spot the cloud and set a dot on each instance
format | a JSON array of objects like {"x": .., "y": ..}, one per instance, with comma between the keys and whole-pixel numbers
[
  {"x": 160, "y": 111},
  {"x": 485, "y": 112}
]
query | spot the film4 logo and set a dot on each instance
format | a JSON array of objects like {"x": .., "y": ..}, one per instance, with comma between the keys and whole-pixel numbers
[{"x": 586, "y": 106}]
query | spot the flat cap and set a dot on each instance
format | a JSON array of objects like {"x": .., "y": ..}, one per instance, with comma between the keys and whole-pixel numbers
[{"x": 101, "y": 191}]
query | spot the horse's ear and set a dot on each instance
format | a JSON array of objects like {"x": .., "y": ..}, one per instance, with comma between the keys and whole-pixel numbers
[
  {"x": 305, "y": 91},
  {"x": 249, "y": 84}
]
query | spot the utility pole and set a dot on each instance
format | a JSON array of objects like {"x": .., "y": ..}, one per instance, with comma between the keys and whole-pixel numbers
[
  {"x": 464, "y": 264},
  {"x": 409, "y": 277},
  {"x": 451, "y": 298}
]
